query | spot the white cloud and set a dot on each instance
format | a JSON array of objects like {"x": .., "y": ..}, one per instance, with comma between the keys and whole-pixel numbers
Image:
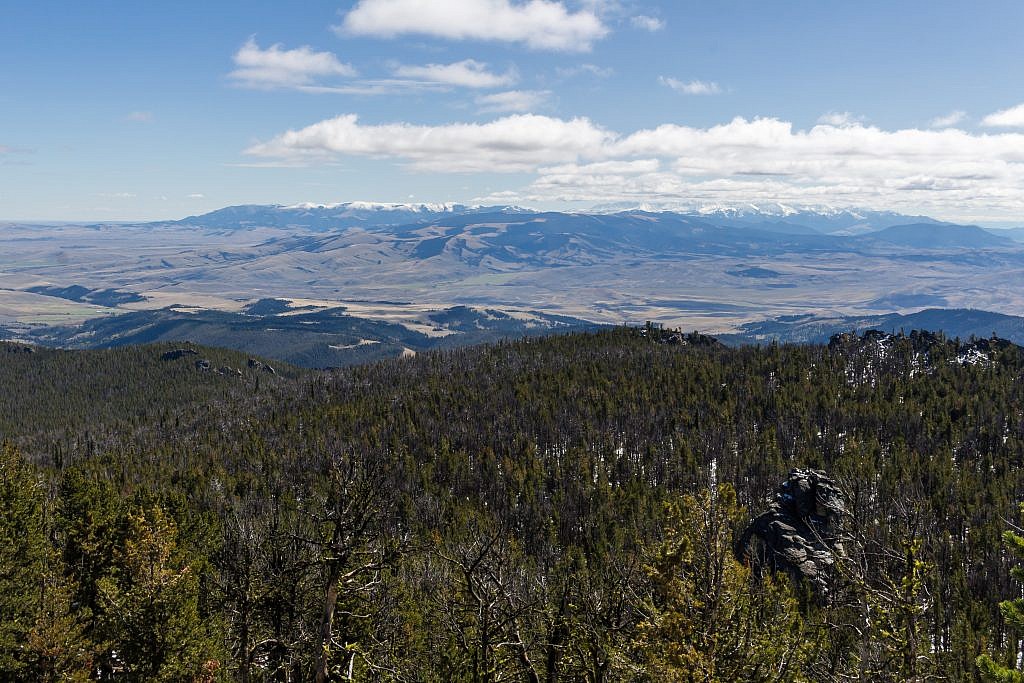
[
  {"x": 513, "y": 101},
  {"x": 652, "y": 24},
  {"x": 949, "y": 120},
  {"x": 139, "y": 117},
  {"x": 605, "y": 168},
  {"x": 511, "y": 144},
  {"x": 842, "y": 162},
  {"x": 383, "y": 86},
  {"x": 468, "y": 74},
  {"x": 197, "y": 195},
  {"x": 539, "y": 24},
  {"x": 591, "y": 69},
  {"x": 691, "y": 87},
  {"x": 838, "y": 118},
  {"x": 1006, "y": 118},
  {"x": 276, "y": 67}
]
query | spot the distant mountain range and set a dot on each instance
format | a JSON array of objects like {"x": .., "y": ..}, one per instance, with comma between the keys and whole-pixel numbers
[
  {"x": 330, "y": 217},
  {"x": 772, "y": 217},
  {"x": 511, "y": 233},
  {"x": 361, "y": 280}
]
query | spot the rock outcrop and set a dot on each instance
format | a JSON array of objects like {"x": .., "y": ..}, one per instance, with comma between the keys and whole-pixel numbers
[
  {"x": 179, "y": 353},
  {"x": 259, "y": 365},
  {"x": 801, "y": 533},
  {"x": 877, "y": 346},
  {"x": 659, "y": 334},
  {"x": 18, "y": 348}
]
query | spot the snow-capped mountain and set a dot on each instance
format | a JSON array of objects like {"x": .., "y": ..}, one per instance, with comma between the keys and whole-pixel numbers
[
  {"x": 333, "y": 217},
  {"x": 767, "y": 217},
  {"x": 816, "y": 218}
]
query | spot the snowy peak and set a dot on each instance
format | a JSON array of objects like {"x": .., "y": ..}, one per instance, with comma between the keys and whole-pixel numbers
[
  {"x": 427, "y": 207},
  {"x": 771, "y": 210},
  {"x": 334, "y": 217},
  {"x": 820, "y": 218}
]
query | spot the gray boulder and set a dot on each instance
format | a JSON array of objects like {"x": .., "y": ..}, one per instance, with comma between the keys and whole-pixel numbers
[{"x": 801, "y": 533}]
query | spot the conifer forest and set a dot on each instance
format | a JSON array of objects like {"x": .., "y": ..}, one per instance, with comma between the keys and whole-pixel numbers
[{"x": 622, "y": 505}]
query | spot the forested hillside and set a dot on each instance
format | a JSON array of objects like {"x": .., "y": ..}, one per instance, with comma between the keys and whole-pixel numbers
[{"x": 557, "y": 509}]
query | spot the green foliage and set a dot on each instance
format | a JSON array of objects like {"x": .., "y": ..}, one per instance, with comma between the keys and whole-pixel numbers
[
  {"x": 23, "y": 558},
  {"x": 42, "y": 637},
  {"x": 709, "y": 619},
  {"x": 149, "y": 604},
  {"x": 1004, "y": 669},
  {"x": 487, "y": 514}
]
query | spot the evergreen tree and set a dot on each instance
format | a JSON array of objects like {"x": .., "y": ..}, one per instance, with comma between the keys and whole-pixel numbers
[
  {"x": 58, "y": 647},
  {"x": 24, "y": 552},
  {"x": 709, "y": 620},
  {"x": 1005, "y": 669},
  {"x": 150, "y": 606}
]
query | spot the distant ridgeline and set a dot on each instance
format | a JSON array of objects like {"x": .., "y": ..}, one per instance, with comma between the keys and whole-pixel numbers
[
  {"x": 962, "y": 323},
  {"x": 308, "y": 336},
  {"x": 587, "y": 506}
]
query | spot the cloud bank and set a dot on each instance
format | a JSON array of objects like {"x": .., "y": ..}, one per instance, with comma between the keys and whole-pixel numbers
[
  {"x": 510, "y": 144},
  {"x": 538, "y": 24},
  {"x": 842, "y": 161}
]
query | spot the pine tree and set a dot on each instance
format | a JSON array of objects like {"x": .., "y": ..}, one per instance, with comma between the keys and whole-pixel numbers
[
  {"x": 1013, "y": 613},
  {"x": 709, "y": 619},
  {"x": 23, "y": 558},
  {"x": 150, "y": 605},
  {"x": 58, "y": 648}
]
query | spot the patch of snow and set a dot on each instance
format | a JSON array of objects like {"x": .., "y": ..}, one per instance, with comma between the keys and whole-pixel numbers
[
  {"x": 361, "y": 342},
  {"x": 972, "y": 356},
  {"x": 426, "y": 207}
]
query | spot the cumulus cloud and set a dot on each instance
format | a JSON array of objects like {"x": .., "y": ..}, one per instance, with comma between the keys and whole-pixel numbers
[
  {"x": 513, "y": 101},
  {"x": 652, "y": 24},
  {"x": 539, "y": 24},
  {"x": 510, "y": 144},
  {"x": 1006, "y": 118},
  {"x": 843, "y": 162},
  {"x": 949, "y": 120},
  {"x": 691, "y": 87},
  {"x": 468, "y": 74},
  {"x": 276, "y": 67}
]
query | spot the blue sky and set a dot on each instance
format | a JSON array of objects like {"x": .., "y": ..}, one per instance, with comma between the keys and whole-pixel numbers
[{"x": 134, "y": 110}]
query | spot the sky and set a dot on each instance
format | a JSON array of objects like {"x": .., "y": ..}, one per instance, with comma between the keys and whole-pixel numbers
[{"x": 139, "y": 110}]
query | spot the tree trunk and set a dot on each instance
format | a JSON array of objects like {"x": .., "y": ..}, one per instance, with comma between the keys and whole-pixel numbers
[{"x": 327, "y": 624}]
